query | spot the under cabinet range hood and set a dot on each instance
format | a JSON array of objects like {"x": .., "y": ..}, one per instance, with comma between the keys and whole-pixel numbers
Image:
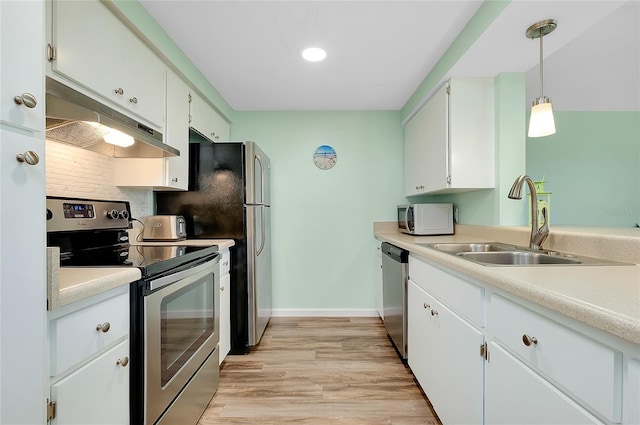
[{"x": 76, "y": 119}]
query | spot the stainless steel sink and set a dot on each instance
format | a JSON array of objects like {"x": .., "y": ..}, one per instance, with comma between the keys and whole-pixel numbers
[
  {"x": 501, "y": 254},
  {"x": 513, "y": 258},
  {"x": 454, "y": 248}
]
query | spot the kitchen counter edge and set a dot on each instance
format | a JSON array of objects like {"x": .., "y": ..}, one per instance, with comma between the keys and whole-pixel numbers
[
  {"x": 66, "y": 285},
  {"x": 604, "y": 297}
]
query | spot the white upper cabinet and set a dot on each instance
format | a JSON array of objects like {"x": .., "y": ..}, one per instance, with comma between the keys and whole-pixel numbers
[
  {"x": 92, "y": 47},
  {"x": 164, "y": 173},
  {"x": 449, "y": 142},
  {"x": 206, "y": 120},
  {"x": 21, "y": 81},
  {"x": 177, "y": 132}
]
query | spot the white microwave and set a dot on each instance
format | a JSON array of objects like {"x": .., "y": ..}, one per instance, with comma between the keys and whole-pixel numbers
[{"x": 426, "y": 219}]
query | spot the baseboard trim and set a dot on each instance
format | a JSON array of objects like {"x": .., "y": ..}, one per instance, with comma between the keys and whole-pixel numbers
[{"x": 319, "y": 312}]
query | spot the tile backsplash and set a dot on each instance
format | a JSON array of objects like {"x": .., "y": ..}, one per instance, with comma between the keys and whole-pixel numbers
[{"x": 79, "y": 173}]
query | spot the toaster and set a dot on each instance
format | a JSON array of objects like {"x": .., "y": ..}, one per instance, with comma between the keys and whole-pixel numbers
[{"x": 164, "y": 228}]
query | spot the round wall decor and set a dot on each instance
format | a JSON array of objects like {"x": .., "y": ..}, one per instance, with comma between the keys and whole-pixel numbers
[{"x": 325, "y": 157}]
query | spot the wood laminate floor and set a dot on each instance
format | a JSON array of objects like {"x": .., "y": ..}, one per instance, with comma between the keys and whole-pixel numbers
[{"x": 311, "y": 371}]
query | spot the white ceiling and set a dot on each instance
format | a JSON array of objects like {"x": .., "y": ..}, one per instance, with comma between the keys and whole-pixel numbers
[{"x": 378, "y": 52}]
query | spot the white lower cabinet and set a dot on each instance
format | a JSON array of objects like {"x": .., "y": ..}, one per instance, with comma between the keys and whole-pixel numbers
[
  {"x": 89, "y": 350},
  {"x": 225, "y": 305},
  {"x": 484, "y": 356},
  {"x": 444, "y": 354},
  {"x": 97, "y": 393},
  {"x": 515, "y": 394},
  {"x": 576, "y": 363}
]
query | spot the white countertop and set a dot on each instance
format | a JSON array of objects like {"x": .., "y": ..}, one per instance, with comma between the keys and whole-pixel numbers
[
  {"x": 605, "y": 297},
  {"x": 66, "y": 285}
]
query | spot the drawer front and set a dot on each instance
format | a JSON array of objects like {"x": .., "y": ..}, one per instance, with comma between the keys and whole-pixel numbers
[
  {"x": 225, "y": 262},
  {"x": 76, "y": 336},
  {"x": 463, "y": 297},
  {"x": 588, "y": 369}
]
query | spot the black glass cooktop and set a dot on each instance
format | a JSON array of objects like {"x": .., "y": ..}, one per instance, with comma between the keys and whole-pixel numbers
[
  {"x": 151, "y": 260},
  {"x": 156, "y": 259}
]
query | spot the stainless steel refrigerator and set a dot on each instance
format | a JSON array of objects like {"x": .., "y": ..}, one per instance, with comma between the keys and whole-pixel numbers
[{"x": 229, "y": 198}]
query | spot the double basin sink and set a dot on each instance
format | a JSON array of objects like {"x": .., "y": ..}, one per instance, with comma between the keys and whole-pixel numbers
[{"x": 500, "y": 254}]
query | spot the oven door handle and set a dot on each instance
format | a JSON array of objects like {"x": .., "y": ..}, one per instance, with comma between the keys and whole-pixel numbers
[{"x": 175, "y": 277}]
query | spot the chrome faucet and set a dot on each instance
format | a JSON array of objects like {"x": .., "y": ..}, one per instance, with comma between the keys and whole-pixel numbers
[{"x": 538, "y": 234}]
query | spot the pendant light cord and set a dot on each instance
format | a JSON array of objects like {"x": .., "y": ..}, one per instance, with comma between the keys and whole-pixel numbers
[{"x": 541, "y": 68}]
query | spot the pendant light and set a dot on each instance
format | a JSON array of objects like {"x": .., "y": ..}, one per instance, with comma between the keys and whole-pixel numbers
[{"x": 541, "y": 122}]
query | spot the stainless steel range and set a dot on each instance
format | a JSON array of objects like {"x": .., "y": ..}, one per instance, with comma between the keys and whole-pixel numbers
[{"x": 174, "y": 307}]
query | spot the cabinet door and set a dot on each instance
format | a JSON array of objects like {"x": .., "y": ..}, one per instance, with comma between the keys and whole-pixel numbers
[
  {"x": 426, "y": 165},
  {"x": 128, "y": 72},
  {"x": 225, "y": 316},
  {"x": 107, "y": 402},
  {"x": 434, "y": 169},
  {"x": 206, "y": 120},
  {"x": 472, "y": 133},
  {"x": 143, "y": 75},
  {"x": 457, "y": 376},
  {"x": 22, "y": 278},
  {"x": 517, "y": 395},
  {"x": 419, "y": 337},
  {"x": 444, "y": 356},
  {"x": 84, "y": 30},
  {"x": 22, "y": 63},
  {"x": 177, "y": 132}
]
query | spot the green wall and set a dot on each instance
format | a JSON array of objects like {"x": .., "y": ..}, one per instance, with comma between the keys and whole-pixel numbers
[
  {"x": 592, "y": 168},
  {"x": 322, "y": 220},
  {"x": 481, "y": 20}
]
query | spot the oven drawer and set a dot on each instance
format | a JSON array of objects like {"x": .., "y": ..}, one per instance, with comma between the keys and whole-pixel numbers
[{"x": 81, "y": 334}]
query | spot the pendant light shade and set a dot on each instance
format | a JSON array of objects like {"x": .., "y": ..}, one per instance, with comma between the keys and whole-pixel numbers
[{"x": 541, "y": 122}]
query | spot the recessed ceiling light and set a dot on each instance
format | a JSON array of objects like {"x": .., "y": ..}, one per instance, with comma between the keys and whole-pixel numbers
[{"x": 314, "y": 54}]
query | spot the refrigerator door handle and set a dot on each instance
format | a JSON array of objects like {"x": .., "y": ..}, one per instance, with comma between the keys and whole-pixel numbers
[
  {"x": 263, "y": 235},
  {"x": 257, "y": 157}
]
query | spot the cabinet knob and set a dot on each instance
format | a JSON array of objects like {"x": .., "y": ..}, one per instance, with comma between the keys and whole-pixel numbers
[
  {"x": 426, "y": 306},
  {"x": 134, "y": 100},
  {"x": 104, "y": 327},
  {"x": 26, "y": 99},
  {"x": 30, "y": 157},
  {"x": 434, "y": 312},
  {"x": 529, "y": 340},
  {"x": 123, "y": 361},
  {"x": 175, "y": 180},
  {"x": 221, "y": 288},
  {"x": 226, "y": 263},
  {"x": 119, "y": 91}
]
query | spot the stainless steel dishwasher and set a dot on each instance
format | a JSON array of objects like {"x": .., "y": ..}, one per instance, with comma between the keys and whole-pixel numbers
[{"x": 395, "y": 265}]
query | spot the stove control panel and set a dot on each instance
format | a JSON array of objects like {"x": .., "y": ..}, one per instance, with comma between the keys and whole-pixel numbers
[{"x": 68, "y": 214}]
